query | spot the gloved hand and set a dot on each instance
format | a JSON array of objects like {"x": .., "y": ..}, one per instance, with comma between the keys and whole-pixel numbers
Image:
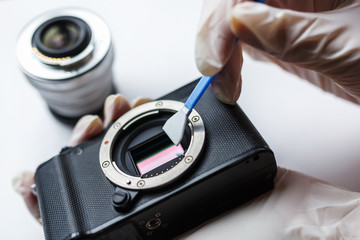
[
  {"x": 299, "y": 207},
  {"x": 316, "y": 40},
  {"x": 87, "y": 127}
]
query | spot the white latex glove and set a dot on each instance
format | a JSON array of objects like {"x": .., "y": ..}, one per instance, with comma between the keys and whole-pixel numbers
[
  {"x": 299, "y": 207},
  {"x": 318, "y": 40}
]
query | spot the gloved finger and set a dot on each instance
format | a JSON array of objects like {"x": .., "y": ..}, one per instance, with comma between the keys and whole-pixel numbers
[
  {"x": 309, "y": 75},
  {"x": 227, "y": 83},
  {"x": 21, "y": 184},
  {"x": 139, "y": 101},
  {"x": 308, "y": 5},
  {"x": 313, "y": 41},
  {"x": 214, "y": 41},
  {"x": 296, "y": 37},
  {"x": 273, "y": 30},
  {"x": 87, "y": 127},
  {"x": 115, "y": 106}
]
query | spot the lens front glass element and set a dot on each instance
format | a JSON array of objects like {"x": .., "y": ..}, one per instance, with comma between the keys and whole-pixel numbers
[{"x": 60, "y": 35}]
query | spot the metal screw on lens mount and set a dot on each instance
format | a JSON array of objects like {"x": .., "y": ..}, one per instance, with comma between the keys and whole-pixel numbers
[
  {"x": 117, "y": 125},
  {"x": 188, "y": 159},
  {"x": 105, "y": 164},
  {"x": 141, "y": 183},
  {"x": 159, "y": 104},
  {"x": 195, "y": 118}
]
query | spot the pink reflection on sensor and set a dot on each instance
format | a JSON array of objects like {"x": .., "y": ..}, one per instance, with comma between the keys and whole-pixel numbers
[{"x": 160, "y": 158}]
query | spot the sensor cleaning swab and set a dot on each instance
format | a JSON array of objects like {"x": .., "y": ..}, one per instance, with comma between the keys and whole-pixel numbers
[{"x": 175, "y": 126}]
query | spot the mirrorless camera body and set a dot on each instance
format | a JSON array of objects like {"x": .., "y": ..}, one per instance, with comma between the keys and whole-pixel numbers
[{"x": 131, "y": 182}]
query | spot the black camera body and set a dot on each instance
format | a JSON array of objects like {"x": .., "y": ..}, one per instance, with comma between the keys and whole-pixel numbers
[{"x": 78, "y": 201}]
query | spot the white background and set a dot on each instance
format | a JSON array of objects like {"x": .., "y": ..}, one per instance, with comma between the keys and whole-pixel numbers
[{"x": 310, "y": 131}]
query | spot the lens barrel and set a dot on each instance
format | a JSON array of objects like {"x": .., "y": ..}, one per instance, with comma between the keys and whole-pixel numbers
[{"x": 67, "y": 55}]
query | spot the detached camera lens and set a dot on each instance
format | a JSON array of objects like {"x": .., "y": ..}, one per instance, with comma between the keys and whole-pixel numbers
[
  {"x": 62, "y": 37},
  {"x": 67, "y": 55}
]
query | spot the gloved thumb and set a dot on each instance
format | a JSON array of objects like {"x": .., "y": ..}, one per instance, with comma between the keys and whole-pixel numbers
[{"x": 309, "y": 40}]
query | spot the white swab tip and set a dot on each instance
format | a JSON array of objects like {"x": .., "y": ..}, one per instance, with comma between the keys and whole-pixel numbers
[{"x": 175, "y": 125}]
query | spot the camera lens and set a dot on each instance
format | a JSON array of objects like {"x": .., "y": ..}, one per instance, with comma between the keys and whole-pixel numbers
[
  {"x": 62, "y": 37},
  {"x": 67, "y": 55}
]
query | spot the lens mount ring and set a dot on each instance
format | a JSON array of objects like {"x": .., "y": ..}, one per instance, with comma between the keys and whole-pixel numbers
[{"x": 121, "y": 179}]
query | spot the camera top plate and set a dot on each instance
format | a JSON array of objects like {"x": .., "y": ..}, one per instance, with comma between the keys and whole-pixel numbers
[{"x": 122, "y": 179}]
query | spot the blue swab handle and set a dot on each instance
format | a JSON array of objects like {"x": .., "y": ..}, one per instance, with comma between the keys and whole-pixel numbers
[
  {"x": 198, "y": 92},
  {"x": 204, "y": 83}
]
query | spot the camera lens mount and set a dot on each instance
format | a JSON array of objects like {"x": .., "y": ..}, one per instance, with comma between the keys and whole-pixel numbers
[{"x": 157, "y": 161}]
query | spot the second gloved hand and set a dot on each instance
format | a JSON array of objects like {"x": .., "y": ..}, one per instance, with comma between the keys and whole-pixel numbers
[{"x": 316, "y": 40}]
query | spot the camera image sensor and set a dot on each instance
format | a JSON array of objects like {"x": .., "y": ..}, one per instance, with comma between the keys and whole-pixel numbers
[{"x": 156, "y": 154}]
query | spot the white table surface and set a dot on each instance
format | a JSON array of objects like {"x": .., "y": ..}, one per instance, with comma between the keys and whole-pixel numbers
[{"x": 310, "y": 131}]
